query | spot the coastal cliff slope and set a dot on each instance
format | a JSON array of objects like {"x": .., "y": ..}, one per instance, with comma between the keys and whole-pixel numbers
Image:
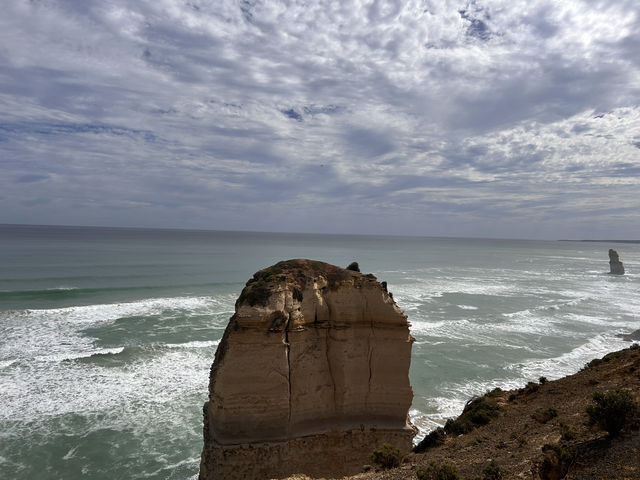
[
  {"x": 543, "y": 431},
  {"x": 310, "y": 376}
]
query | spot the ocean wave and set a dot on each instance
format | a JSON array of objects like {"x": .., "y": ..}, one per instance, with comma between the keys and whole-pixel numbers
[
  {"x": 66, "y": 333},
  {"x": 570, "y": 362},
  {"x": 194, "y": 344},
  {"x": 110, "y": 311},
  {"x": 65, "y": 357},
  {"x": 65, "y": 292},
  {"x": 6, "y": 363},
  {"x": 71, "y": 453},
  {"x": 133, "y": 353},
  {"x": 424, "y": 289},
  {"x": 106, "y": 380},
  {"x": 424, "y": 423},
  {"x": 452, "y": 329},
  {"x": 193, "y": 461}
]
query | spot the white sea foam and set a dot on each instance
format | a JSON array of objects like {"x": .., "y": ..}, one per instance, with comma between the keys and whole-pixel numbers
[
  {"x": 6, "y": 363},
  {"x": 55, "y": 334},
  {"x": 188, "y": 461},
  {"x": 194, "y": 344},
  {"x": 71, "y": 453},
  {"x": 467, "y": 307},
  {"x": 41, "y": 390},
  {"x": 570, "y": 362},
  {"x": 424, "y": 422},
  {"x": 454, "y": 329},
  {"x": 60, "y": 357},
  {"x": 40, "y": 346}
]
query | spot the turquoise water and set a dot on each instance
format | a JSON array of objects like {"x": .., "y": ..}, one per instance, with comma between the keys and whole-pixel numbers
[{"x": 107, "y": 335}]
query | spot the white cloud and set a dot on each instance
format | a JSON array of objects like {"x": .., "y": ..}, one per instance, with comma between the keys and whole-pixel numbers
[{"x": 486, "y": 110}]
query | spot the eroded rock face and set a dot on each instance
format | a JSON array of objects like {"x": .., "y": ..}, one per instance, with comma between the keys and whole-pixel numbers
[
  {"x": 615, "y": 264},
  {"x": 310, "y": 376}
]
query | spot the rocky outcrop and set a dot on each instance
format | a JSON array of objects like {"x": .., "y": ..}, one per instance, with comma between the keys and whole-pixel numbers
[
  {"x": 616, "y": 267},
  {"x": 310, "y": 376}
]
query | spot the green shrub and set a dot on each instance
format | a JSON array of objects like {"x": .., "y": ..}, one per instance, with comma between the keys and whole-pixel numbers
[
  {"x": 608, "y": 357},
  {"x": 612, "y": 411},
  {"x": 437, "y": 472},
  {"x": 476, "y": 413},
  {"x": 543, "y": 415},
  {"x": 556, "y": 462},
  {"x": 433, "y": 439},
  {"x": 492, "y": 472},
  {"x": 566, "y": 432},
  {"x": 297, "y": 294},
  {"x": 386, "y": 456},
  {"x": 593, "y": 363}
]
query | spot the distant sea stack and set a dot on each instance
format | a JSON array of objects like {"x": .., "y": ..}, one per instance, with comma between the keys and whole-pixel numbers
[
  {"x": 311, "y": 375},
  {"x": 616, "y": 267}
]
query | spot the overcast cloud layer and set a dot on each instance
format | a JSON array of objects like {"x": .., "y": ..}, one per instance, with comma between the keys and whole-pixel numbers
[{"x": 501, "y": 118}]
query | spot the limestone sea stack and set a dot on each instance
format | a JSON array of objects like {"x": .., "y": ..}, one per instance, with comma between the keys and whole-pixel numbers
[
  {"x": 616, "y": 267},
  {"x": 311, "y": 375}
]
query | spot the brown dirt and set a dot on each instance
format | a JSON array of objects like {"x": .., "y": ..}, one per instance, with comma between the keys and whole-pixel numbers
[{"x": 514, "y": 440}]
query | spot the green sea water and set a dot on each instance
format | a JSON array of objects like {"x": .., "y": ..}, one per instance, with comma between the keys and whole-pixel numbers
[{"x": 107, "y": 335}]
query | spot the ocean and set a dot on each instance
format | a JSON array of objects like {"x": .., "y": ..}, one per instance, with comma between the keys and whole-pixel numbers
[{"x": 107, "y": 334}]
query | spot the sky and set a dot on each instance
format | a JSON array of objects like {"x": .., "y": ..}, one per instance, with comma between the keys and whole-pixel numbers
[{"x": 486, "y": 118}]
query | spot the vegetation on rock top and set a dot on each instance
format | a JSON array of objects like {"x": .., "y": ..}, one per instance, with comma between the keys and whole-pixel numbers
[{"x": 297, "y": 272}]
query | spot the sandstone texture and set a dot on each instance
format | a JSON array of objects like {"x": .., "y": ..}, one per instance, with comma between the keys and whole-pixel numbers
[
  {"x": 616, "y": 267},
  {"x": 310, "y": 376}
]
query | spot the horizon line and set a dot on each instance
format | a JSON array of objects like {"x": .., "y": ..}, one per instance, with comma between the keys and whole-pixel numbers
[{"x": 184, "y": 229}]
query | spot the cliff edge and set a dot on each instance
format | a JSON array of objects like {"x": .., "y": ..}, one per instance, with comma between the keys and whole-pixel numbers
[{"x": 310, "y": 376}]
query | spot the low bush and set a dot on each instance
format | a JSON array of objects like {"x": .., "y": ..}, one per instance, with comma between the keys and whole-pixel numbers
[
  {"x": 566, "y": 432},
  {"x": 608, "y": 357},
  {"x": 543, "y": 415},
  {"x": 386, "y": 456},
  {"x": 476, "y": 413},
  {"x": 556, "y": 462},
  {"x": 492, "y": 472},
  {"x": 437, "y": 472},
  {"x": 433, "y": 439},
  {"x": 613, "y": 411}
]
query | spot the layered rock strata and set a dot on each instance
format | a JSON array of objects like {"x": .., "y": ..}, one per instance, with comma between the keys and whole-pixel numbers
[
  {"x": 615, "y": 265},
  {"x": 310, "y": 376}
]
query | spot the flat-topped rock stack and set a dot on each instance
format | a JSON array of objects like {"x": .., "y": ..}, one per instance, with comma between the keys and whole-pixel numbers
[
  {"x": 311, "y": 376},
  {"x": 615, "y": 265}
]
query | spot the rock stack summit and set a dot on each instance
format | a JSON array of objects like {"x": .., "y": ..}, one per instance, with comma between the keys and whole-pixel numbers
[
  {"x": 311, "y": 375},
  {"x": 615, "y": 265}
]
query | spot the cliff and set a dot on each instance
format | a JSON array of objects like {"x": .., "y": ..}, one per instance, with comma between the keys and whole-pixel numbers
[{"x": 310, "y": 376}]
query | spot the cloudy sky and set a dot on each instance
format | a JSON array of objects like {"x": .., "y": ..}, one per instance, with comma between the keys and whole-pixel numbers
[{"x": 498, "y": 118}]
